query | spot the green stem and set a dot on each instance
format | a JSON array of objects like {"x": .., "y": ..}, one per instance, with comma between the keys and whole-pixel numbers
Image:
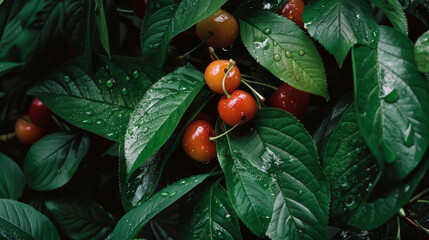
[
  {"x": 226, "y": 132},
  {"x": 258, "y": 95},
  {"x": 422, "y": 201},
  {"x": 258, "y": 83},
  {"x": 213, "y": 53},
  {"x": 398, "y": 234},
  {"x": 231, "y": 66},
  {"x": 416, "y": 224},
  {"x": 195, "y": 48},
  {"x": 125, "y": 10},
  {"x": 419, "y": 195},
  {"x": 250, "y": 76},
  {"x": 421, "y": 227}
]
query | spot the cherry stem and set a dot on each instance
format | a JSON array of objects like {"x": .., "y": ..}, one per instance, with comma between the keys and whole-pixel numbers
[
  {"x": 213, "y": 54},
  {"x": 231, "y": 66},
  {"x": 419, "y": 195},
  {"x": 258, "y": 83},
  {"x": 228, "y": 131},
  {"x": 7, "y": 137},
  {"x": 253, "y": 90},
  {"x": 398, "y": 235},
  {"x": 195, "y": 48},
  {"x": 125, "y": 11},
  {"x": 422, "y": 201},
  {"x": 416, "y": 224}
]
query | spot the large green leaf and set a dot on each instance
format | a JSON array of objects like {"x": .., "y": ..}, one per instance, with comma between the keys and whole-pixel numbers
[
  {"x": 421, "y": 52},
  {"x": 340, "y": 24},
  {"x": 285, "y": 50},
  {"x": 100, "y": 19},
  {"x": 278, "y": 187},
  {"x": 212, "y": 216},
  {"x": 102, "y": 103},
  {"x": 391, "y": 99},
  {"x": 21, "y": 221},
  {"x": 12, "y": 179},
  {"x": 5, "y": 67},
  {"x": 158, "y": 113},
  {"x": 51, "y": 162},
  {"x": 131, "y": 224},
  {"x": 169, "y": 19},
  {"x": 393, "y": 10},
  {"x": 81, "y": 219},
  {"x": 350, "y": 167}
]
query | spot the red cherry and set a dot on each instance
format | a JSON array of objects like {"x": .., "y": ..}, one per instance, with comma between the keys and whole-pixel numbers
[
  {"x": 27, "y": 132},
  {"x": 39, "y": 114},
  {"x": 293, "y": 10},
  {"x": 238, "y": 106},
  {"x": 196, "y": 141},
  {"x": 291, "y": 100}
]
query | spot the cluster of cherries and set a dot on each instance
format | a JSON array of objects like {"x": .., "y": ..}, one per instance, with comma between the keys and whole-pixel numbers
[{"x": 235, "y": 107}]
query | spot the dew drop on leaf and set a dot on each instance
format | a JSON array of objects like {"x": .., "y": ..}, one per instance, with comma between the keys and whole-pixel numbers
[
  {"x": 124, "y": 91},
  {"x": 267, "y": 31},
  {"x": 344, "y": 183},
  {"x": 87, "y": 121},
  {"x": 145, "y": 130},
  {"x": 109, "y": 83},
  {"x": 136, "y": 74},
  {"x": 127, "y": 78},
  {"x": 112, "y": 135},
  {"x": 130, "y": 132},
  {"x": 66, "y": 79},
  {"x": 277, "y": 57},
  {"x": 350, "y": 202},
  {"x": 301, "y": 53},
  {"x": 389, "y": 155},
  {"x": 164, "y": 194},
  {"x": 288, "y": 54},
  {"x": 100, "y": 123},
  {"x": 220, "y": 235},
  {"x": 59, "y": 171},
  {"x": 409, "y": 136},
  {"x": 228, "y": 217},
  {"x": 182, "y": 182}
]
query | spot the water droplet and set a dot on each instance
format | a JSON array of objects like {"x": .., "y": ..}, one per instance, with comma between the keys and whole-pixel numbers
[
  {"x": 235, "y": 151},
  {"x": 277, "y": 57},
  {"x": 181, "y": 11},
  {"x": 301, "y": 53},
  {"x": 85, "y": 88},
  {"x": 100, "y": 81},
  {"x": 127, "y": 78},
  {"x": 172, "y": 194},
  {"x": 220, "y": 235},
  {"x": 344, "y": 183},
  {"x": 89, "y": 113},
  {"x": 109, "y": 83},
  {"x": 66, "y": 79},
  {"x": 130, "y": 131},
  {"x": 112, "y": 135},
  {"x": 182, "y": 182},
  {"x": 164, "y": 194},
  {"x": 124, "y": 91},
  {"x": 59, "y": 171},
  {"x": 268, "y": 31},
  {"x": 275, "y": 43},
  {"x": 100, "y": 122},
  {"x": 98, "y": 91},
  {"x": 87, "y": 121},
  {"x": 350, "y": 202},
  {"x": 228, "y": 217},
  {"x": 145, "y": 130},
  {"x": 288, "y": 54},
  {"x": 136, "y": 74},
  {"x": 390, "y": 95},
  {"x": 183, "y": 88},
  {"x": 409, "y": 136},
  {"x": 388, "y": 153}
]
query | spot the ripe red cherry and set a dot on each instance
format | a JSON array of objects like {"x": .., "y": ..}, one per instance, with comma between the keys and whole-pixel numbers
[
  {"x": 39, "y": 114},
  {"x": 139, "y": 7},
  {"x": 293, "y": 10},
  {"x": 291, "y": 100},
  {"x": 223, "y": 26},
  {"x": 196, "y": 141},
  {"x": 27, "y": 132},
  {"x": 238, "y": 106},
  {"x": 215, "y": 73}
]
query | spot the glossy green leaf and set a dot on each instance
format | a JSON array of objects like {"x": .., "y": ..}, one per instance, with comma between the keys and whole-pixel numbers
[
  {"x": 144, "y": 180},
  {"x": 131, "y": 224},
  {"x": 340, "y": 24},
  {"x": 51, "y": 162},
  {"x": 100, "y": 19},
  {"x": 212, "y": 216},
  {"x": 421, "y": 52},
  {"x": 6, "y": 67},
  {"x": 102, "y": 103},
  {"x": 350, "y": 167},
  {"x": 374, "y": 213},
  {"x": 81, "y": 219},
  {"x": 393, "y": 10},
  {"x": 278, "y": 188},
  {"x": 12, "y": 179},
  {"x": 391, "y": 98},
  {"x": 169, "y": 19},
  {"x": 21, "y": 221},
  {"x": 158, "y": 113},
  {"x": 285, "y": 50}
]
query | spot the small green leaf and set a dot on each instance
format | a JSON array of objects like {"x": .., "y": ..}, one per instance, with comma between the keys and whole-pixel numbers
[
  {"x": 393, "y": 10},
  {"x": 51, "y": 162},
  {"x": 158, "y": 114},
  {"x": 421, "y": 52},
  {"x": 100, "y": 19},
  {"x": 170, "y": 18},
  {"x": 81, "y": 219},
  {"x": 12, "y": 179},
  {"x": 5, "y": 67},
  {"x": 21, "y": 221},
  {"x": 340, "y": 24},
  {"x": 285, "y": 50},
  {"x": 350, "y": 167},
  {"x": 391, "y": 98},
  {"x": 102, "y": 103},
  {"x": 131, "y": 224},
  {"x": 278, "y": 188},
  {"x": 211, "y": 216}
]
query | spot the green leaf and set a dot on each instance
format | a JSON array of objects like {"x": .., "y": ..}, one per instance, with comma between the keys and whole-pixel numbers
[
  {"x": 12, "y": 179},
  {"x": 340, "y": 24},
  {"x": 212, "y": 216},
  {"x": 81, "y": 219},
  {"x": 372, "y": 214},
  {"x": 285, "y": 50},
  {"x": 170, "y": 19},
  {"x": 350, "y": 167},
  {"x": 158, "y": 114},
  {"x": 258, "y": 5},
  {"x": 131, "y": 224},
  {"x": 6, "y": 67},
  {"x": 421, "y": 52},
  {"x": 393, "y": 10},
  {"x": 21, "y": 221},
  {"x": 51, "y": 162},
  {"x": 100, "y": 19},
  {"x": 391, "y": 99},
  {"x": 278, "y": 188},
  {"x": 102, "y": 103}
]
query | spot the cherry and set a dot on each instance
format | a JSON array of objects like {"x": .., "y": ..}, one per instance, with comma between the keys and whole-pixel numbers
[
  {"x": 293, "y": 10},
  {"x": 291, "y": 100},
  {"x": 27, "y": 132},
  {"x": 196, "y": 141},
  {"x": 139, "y": 7},
  {"x": 39, "y": 114},
  {"x": 222, "y": 25},
  {"x": 239, "y": 106},
  {"x": 215, "y": 72}
]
